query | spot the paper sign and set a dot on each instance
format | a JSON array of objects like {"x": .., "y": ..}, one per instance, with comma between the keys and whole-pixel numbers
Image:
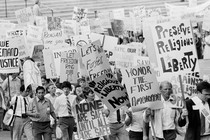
[
  {"x": 91, "y": 122},
  {"x": 118, "y": 13},
  {"x": 105, "y": 19},
  {"x": 4, "y": 27},
  {"x": 85, "y": 26},
  {"x": 41, "y": 22},
  {"x": 54, "y": 40},
  {"x": 79, "y": 14},
  {"x": 142, "y": 86},
  {"x": 174, "y": 47},
  {"x": 110, "y": 91},
  {"x": 118, "y": 27},
  {"x": 94, "y": 59},
  {"x": 54, "y": 23},
  {"x": 139, "y": 11},
  {"x": 69, "y": 67},
  {"x": 25, "y": 16},
  {"x": 57, "y": 57},
  {"x": 9, "y": 54},
  {"x": 34, "y": 33},
  {"x": 49, "y": 64},
  {"x": 69, "y": 27}
]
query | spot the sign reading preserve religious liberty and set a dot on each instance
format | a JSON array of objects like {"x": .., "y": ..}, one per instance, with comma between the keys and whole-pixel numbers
[{"x": 174, "y": 47}]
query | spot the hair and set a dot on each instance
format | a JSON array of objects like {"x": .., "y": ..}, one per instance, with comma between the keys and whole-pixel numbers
[
  {"x": 48, "y": 86},
  {"x": 22, "y": 88},
  {"x": 66, "y": 84},
  {"x": 81, "y": 79},
  {"x": 36, "y": 1},
  {"x": 203, "y": 85},
  {"x": 39, "y": 88},
  {"x": 165, "y": 82},
  {"x": 44, "y": 77}
]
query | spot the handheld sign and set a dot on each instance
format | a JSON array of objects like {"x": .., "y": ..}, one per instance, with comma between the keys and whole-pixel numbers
[
  {"x": 79, "y": 14},
  {"x": 174, "y": 47},
  {"x": 9, "y": 53},
  {"x": 91, "y": 122},
  {"x": 94, "y": 59},
  {"x": 54, "y": 23},
  {"x": 142, "y": 86},
  {"x": 69, "y": 66},
  {"x": 110, "y": 91},
  {"x": 25, "y": 16}
]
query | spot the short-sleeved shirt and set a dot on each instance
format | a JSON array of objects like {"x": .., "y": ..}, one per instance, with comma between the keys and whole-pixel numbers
[{"x": 42, "y": 109}]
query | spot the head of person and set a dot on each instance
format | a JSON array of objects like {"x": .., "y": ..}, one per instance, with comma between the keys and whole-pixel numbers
[
  {"x": 37, "y": 2},
  {"x": 203, "y": 89},
  {"x": 78, "y": 90},
  {"x": 40, "y": 92},
  {"x": 89, "y": 94},
  {"x": 51, "y": 88},
  {"x": 14, "y": 75},
  {"x": 125, "y": 40},
  {"x": 166, "y": 90},
  {"x": 82, "y": 82},
  {"x": 21, "y": 75},
  {"x": 45, "y": 81},
  {"x": 23, "y": 92},
  {"x": 66, "y": 87}
]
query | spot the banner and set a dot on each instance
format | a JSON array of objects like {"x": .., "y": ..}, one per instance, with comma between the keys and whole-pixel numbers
[
  {"x": 174, "y": 47},
  {"x": 94, "y": 59},
  {"x": 54, "y": 40},
  {"x": 79, "y": 14},
  {"x": 142, "y": 86},
  {"x": 25, "y": 16},
  {"x": 110, "y": 91},
  {"x": 49, "y": 64},
  {"x": 9, "y": 53},
  {"x": 69, "y": 67},
  {"x": 54, "y": 23},
  {"x": 91, "y": 122}
]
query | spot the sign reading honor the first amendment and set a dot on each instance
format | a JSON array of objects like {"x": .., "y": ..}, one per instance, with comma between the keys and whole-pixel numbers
[
  {"x": 142, "y": 86},
  {"x": 110, "y": 91}
]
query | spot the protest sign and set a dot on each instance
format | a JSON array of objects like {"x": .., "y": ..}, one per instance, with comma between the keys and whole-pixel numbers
[
  {"x": 118, "y": 14},
  {"x": 110, "y": 91},
  {"x": 94, "y": 59},
  {"x": 80, "y": 40},
  {"x": 91, "y": 122},
  {"x": 85, "y": 26},
  {"x": 49, "y": 64},
  {"x": 57, "y": 57},
  {"x": 79, "y": 14},
  {"x": 129, "y": 24},
  {"x": 139, "y": 11},
  {"x": 69, "y": 27},
  {"x": 141, "y": 60},
  {"x": 174, "y": 47},
  {"x": 142, "y": 86},
  {"x": 4, "y": 27},
  {"x": 153, "y": 12},
  {"x": 25, "y": 16},
  {"x": 9, "y": 53},
  {"x": 105, "y": 19},
  {"x": 204, "y": 69},
  {"x": 54, "y": 40},
  {"x": 37, "y": 53},
  {"x": 54, "y": 23},
  {"x": 95, "y": 26},
  {"x": 41, "y": 21},
  {"x": 34, "y": 33},
  {"x": 118, "y": 27},
  {"x": 69, "y": 67},
  {"x": 206, "y": 21},
  {"x": 11, "y": 33}
]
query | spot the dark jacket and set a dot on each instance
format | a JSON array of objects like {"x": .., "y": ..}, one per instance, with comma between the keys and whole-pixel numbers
[{"x": 194, "y": 126}]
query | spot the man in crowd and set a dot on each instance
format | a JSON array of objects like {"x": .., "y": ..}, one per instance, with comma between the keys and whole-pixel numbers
[
  {"x": 198, "y": 114},
  {"x": 21, "y": 120},
  {"x": 116, "y": 125},
  {"x": 13, "y": 85},
  {"x": 165, "y": 119},
  {"x": 64, "y": 109},
  {"x": 40, "y": 109}
]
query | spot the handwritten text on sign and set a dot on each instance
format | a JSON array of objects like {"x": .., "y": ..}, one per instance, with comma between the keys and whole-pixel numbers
[
  {"x": 110, "y": 91},
  {"x": 91, "y": 122},
  {"x": 94, "y": 59},
  {"x": 174, "y": 47},
  {"x": 142, "y": 86},
  {"x": 69, "y": 67},
  {"x": 9, "y": 56}
]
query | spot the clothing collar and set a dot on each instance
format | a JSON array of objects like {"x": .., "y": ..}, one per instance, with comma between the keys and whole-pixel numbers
[{"x": 38, "y": 100}]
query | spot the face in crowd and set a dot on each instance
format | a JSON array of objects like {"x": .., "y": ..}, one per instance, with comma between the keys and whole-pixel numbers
[
  {"x": 166, "y": 90},
  {"x": 40, "y": 93},
  {"x": 203, "y": 89},
  {"x": 52, "y": 88}
]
